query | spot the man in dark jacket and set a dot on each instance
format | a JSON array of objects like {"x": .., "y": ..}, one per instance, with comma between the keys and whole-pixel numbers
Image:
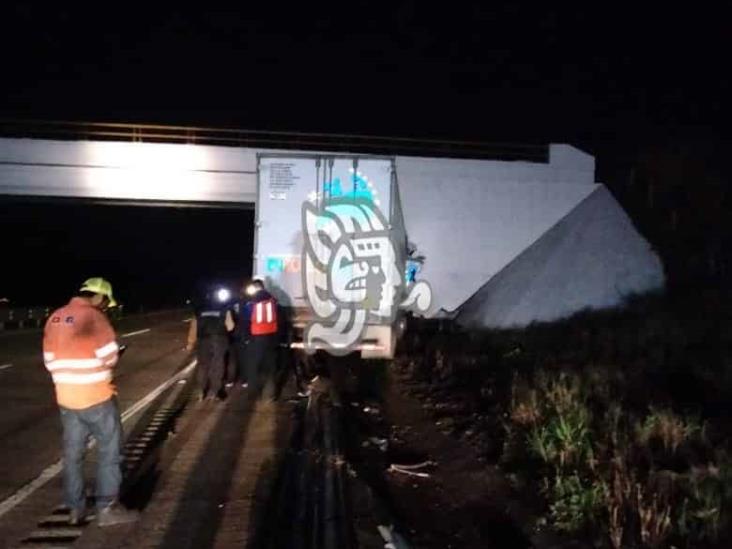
[
  {"x": 240, "y": 339},
  {"x": 209, "y": 333}
]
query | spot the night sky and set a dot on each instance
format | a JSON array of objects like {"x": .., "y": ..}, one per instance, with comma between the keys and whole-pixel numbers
[
  {"x": 490, "y": 70},
  {"x": 612, "y": 79}
]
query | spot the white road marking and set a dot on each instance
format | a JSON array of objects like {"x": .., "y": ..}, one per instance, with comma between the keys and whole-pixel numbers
[
  {"x": 52, "y": 470},
  {"x": 140, "y": 404},
  {"x": 6, "y": 366},
  {"x": 138, "y": 332},
  {"x": 55, "y": 520},
  {"x": 58, "y": 532}
]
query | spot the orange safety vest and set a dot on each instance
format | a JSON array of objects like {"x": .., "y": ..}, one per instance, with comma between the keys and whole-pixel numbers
[
  {"x": 263, "y": 318},
  {"x": 80, "y": 350}
]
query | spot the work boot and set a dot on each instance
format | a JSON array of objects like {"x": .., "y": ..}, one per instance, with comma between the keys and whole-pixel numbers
[
  {"x": 116, "y": 514},
  {"x": 76, "y": 517}
]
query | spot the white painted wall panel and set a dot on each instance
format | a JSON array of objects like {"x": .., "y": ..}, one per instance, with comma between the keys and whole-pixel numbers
[
  {"x": 126, "y": 154},
  {"x": 470, "y": 223},
  {"x": 126, "y": 170},
  {"x": 566, "y": 165},
  {"x": 593, "y": 258},
  {"x": 127, "y": 184}
]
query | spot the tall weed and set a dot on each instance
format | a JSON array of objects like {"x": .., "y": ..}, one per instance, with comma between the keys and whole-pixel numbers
[
  {"x": 668, "y": 428},
  {"x": 574, "y": 501}
]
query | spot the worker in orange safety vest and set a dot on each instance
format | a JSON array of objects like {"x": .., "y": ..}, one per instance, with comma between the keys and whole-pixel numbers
[{"x": 80, "y": 351}]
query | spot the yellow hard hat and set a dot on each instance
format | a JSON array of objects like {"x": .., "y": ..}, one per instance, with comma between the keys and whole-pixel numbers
[{"x": 99, "y": 286}]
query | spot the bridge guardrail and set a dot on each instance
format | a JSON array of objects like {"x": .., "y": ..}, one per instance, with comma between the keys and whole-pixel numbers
[
  {"x": 375, "y": 144},
  {"x": 18, "y": 318},
  {"x": 23, "y": 317}
]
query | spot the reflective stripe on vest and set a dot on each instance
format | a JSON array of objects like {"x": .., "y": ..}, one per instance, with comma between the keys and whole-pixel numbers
[{"x": 264, "y": 318}]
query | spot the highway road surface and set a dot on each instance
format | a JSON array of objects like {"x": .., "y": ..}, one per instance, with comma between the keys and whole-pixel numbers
[
  {"x": 30, "y": 428},
  {"x": 204, "y": 474}
]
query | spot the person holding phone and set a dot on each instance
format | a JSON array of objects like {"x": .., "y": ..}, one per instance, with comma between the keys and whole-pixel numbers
[{"x": 80, "y": 351}]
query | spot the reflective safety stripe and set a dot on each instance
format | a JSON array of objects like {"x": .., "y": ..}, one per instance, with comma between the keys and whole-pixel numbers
[
  {"x": 74, "y": 364},
  {"x": 264, "y": 317},
  {"x": 48, "y": 357},
  {"x": 215, "y": 314},
  {"x": 107, "y": 349},
  {"x": 82, "y": 379}
]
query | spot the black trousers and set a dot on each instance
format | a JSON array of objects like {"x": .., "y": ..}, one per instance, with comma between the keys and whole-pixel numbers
[
  {"x": 239, "y": 373},
  {"x": 261, "y": 359},
  {"x": 211, "y": 356}
]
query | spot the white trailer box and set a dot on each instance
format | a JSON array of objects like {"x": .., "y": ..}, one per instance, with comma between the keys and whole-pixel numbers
[{"x": 285, "y": 183}]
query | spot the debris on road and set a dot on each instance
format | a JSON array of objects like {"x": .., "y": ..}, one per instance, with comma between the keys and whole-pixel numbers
[
  {"x": 396, "y": 469},
  {"x": 415, "y": 466}
]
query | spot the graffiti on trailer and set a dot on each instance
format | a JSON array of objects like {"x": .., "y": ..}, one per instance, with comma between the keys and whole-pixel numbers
[{"x": 352, "y": 273}]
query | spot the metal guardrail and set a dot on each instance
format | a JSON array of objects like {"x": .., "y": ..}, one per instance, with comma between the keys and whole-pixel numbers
[
  {"x": 19, "y": 318},
  {"x": 26, "y": 317},
  {"x": 68, "y": 130}
]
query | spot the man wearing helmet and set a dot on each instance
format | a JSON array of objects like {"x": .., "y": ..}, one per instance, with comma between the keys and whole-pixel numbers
[{"x": 80, "y": 351}]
